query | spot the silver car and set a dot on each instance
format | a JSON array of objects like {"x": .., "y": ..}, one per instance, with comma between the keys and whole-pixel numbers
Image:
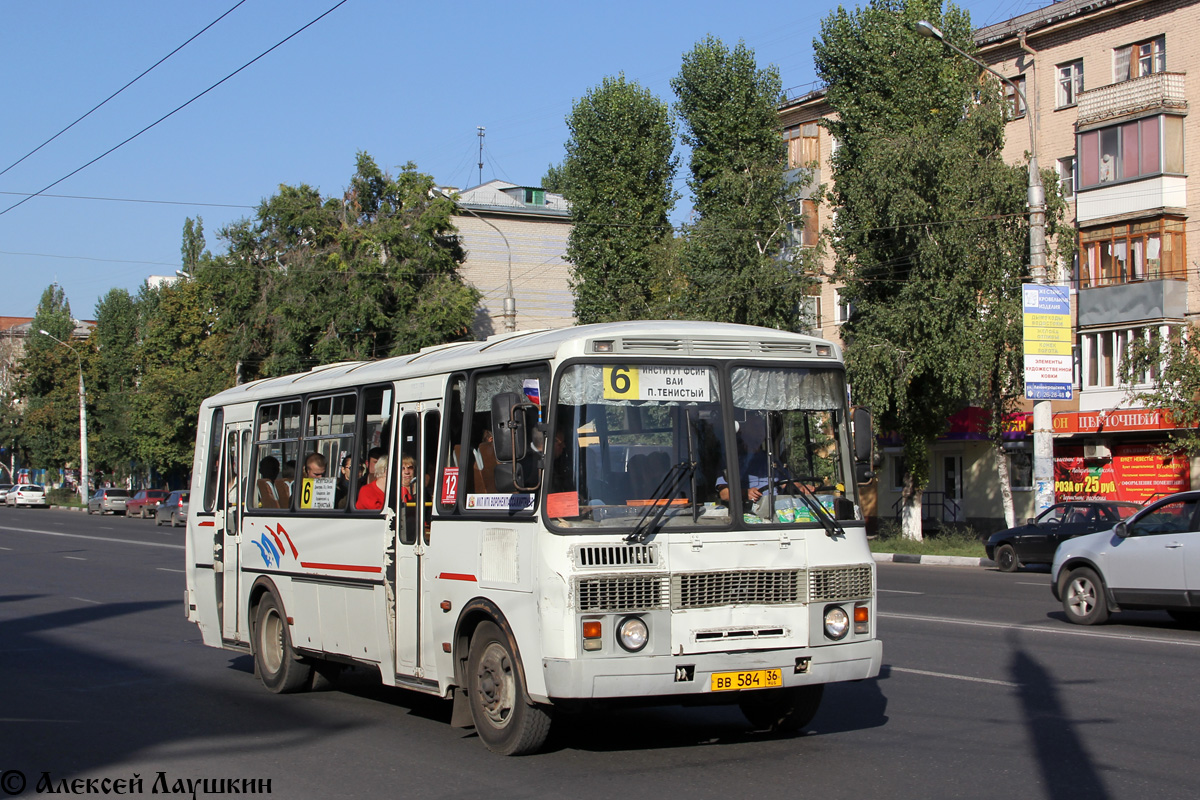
[
  {"x": 29, "y": 495},
  {"x": 1149, "y": 561},
  {"x": 108, "y": 501}
]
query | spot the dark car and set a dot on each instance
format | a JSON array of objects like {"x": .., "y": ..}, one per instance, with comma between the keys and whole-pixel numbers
[
  {"x": 144, "y": 502},
  {"x": 173, "y": 510},
  {"x": 1035, "y": 542}
]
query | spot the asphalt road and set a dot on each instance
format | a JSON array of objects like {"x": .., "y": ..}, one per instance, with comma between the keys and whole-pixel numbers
[{"x": 986, "y": 692}]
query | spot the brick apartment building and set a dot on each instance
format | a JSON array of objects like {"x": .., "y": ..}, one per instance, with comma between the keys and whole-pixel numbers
[{"x": 1107, "y": 84}]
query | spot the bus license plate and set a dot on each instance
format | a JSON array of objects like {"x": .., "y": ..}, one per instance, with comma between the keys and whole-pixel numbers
[{"x": 752, "y": 679}]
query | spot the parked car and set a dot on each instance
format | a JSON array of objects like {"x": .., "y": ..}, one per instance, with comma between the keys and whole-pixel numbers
[
  {"x": 144, "y": 502},
  {"x": 108, "y": 501},
  {"x": 1141, "y": 563},
  {"x": 1036, "y": 541},
  {"x": 4, "y": 487},
  {"x": 30, "y": 495},
  {"x": 174, "y": 510}
]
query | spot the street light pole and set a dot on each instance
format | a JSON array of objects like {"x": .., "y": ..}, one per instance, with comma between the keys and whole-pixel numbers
[
  {"x": 1043, "y": 417},
  {"x": 510, "y": 302},
  {"x": 83, "y": 451}
]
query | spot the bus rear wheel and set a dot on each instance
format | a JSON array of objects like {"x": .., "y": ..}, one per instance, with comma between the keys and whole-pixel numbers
[
  {"x": 277, "y": 665},
  {"x": 782, "y": 710},
  {"x": 507, "y": 721}
]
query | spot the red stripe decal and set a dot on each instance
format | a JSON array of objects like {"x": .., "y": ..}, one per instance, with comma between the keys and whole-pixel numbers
[
  {"x": 342, "y": 567},
  {"x": 456, "y": 576},
  {"x": 273, "y": 536},
  {"x": 207, "y": 524},
  {"x": 295, "y": 553}
]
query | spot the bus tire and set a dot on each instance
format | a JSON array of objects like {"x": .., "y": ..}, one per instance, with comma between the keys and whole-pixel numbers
[
  {"x": 507, "y": 721},
  {"x": 782, "y": 710},
  {"x": 277, "y": 665}
]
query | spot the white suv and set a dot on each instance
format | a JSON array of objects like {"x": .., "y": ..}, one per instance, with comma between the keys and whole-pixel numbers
[{"x": 1149, "y": 561}]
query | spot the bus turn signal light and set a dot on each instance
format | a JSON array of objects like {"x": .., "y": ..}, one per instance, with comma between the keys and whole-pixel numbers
[
  {"x": 862, "y": 619},
  {"x": 592, "y": 631}
]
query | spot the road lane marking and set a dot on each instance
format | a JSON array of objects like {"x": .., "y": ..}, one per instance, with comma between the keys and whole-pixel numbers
[
  {"x": 1045, "y": 585},
  {"x": 75, "y": 558},
  {"x": 927, "y": 673},
  {"x": 164, "y": 569},
  {"x": 85, "y": 600},
  {"x": 1043, "y": 629},
  {"x": 93, "y": 538},
  {"x": 897, "y": 591}
]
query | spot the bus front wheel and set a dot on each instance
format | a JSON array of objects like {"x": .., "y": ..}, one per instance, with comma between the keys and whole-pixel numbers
[
  {"x": 507, "y": 721},
  {"x": 277, "y": 665},
  {"x": 782, "y": 710}
]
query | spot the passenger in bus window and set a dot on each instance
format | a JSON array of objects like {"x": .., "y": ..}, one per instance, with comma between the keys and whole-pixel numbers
[
  {"x": 408, "y": 479},
  {"x": 343, "y": 483},
  {"x": 373, "y": 455},
  {"x": 752, "y": 461},
  {"x": 371, "y": 496},
  {"x": 268, "y": 471},
  {"x": 314, "y": 465}
]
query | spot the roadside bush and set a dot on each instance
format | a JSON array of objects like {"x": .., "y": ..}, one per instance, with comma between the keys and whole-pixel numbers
[
  {"x": 62, "y": 496},
  {"x": 952, "y": 539}
]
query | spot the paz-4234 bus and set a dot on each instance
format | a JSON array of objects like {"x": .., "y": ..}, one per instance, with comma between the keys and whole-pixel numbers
[{"x": 662, "y": 512}]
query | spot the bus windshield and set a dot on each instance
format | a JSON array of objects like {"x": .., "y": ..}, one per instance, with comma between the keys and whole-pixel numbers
[{"x": 631, "y": 440}]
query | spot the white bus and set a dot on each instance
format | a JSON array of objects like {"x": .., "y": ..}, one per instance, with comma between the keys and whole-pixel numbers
[{"x": 661, "y": 512}]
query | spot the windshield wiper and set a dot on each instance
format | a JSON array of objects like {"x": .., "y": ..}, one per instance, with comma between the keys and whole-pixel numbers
[
  {"x": 828, "y": 521},
  {"x": 660, "y": 501}
]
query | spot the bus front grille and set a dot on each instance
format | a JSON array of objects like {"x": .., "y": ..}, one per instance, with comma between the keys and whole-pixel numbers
[
  {"x": 603, "y": 555},
  {"x": 827, "y": 584},
  {"x": 740, "y": 588},
  {"x": 622, "y": 593}
]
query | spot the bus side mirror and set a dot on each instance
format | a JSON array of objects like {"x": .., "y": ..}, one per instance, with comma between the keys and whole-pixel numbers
[
  {"x": 512, "y": 426},
  {"x": 864, "y": 445}
]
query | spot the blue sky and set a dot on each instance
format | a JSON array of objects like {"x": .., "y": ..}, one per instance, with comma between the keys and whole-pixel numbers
[{"x": 402, "y": 81}]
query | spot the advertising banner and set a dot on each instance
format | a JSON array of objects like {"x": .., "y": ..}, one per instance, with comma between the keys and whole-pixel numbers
[
  {"x": 1135, "y": 473},
  {"x": 1048, "y": 364}
]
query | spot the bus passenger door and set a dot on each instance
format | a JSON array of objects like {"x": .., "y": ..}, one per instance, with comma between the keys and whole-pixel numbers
[
  {"x": 229, "y": 523},
  {"x": 419, "y": 428}
]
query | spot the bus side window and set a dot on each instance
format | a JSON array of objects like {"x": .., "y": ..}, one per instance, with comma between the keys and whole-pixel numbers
[
  {"x": 213, "y": 477},
  {"x": 410, "y": 447},
  {"x": 425, "y": 465},
  {"x": 374, "y": 438},
  {"x": 273, "y": 460},
  {"x": 447, "y": 489}
]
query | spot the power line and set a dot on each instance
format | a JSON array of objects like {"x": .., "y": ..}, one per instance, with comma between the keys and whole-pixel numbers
[
  {"x": 180, "y": 108},
  {"x": 123, "y": 88},
  {"x": 132, "y": 200}
]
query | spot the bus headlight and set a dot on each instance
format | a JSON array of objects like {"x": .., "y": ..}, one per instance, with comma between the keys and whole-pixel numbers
[
  {"x": 837, "y": 622},
  {"x": 632, "y": 634}
]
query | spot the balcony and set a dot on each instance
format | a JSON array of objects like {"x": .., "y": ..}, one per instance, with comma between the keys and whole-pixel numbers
[
  {"x": 1160, "y": 90},
  {"x": 1131, "y": 197},
  {"x": 1133, "y": 302}
]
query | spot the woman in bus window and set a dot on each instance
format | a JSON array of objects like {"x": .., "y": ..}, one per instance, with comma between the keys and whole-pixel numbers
[{"x": 371, "y": 496}]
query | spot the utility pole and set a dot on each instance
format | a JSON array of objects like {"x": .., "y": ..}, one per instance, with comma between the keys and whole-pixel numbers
[{"x": 480, "y": 129}]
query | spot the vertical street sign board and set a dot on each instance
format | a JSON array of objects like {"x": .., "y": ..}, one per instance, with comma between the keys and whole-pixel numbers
[{"x": 1048, "y": 363}]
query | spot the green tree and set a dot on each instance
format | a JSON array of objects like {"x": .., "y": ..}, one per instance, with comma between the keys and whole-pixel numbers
[
  {"x": 930, "y": 236},
  {"x": 192, "y": 249},
  {"x": 115, "y": 342},
  {"x": 555, "y": 179},
  {"x": 50, "y": 384},
  {"x": 1173, "y": 365},
  {"x": 313, "y": 280},
  {"x": 617, "y": 176},
  {"x": 735, "y": 255}
]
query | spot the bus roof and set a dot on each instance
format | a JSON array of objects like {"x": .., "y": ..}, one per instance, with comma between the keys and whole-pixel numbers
[{"x": 641, "y": 338}]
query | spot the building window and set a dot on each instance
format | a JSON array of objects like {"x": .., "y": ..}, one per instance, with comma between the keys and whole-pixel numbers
[
  {"x": 1015, "y": 100},
  {"x": 1137, "y": 60},
  {"x": 899, "y": 470},
  {"x": 810, "y": 312},
  {"x": 1101, "y": 353},
  {"x": 1070, "y": 83},
  {"x": 844, "y": 309},
  {"x": 810, "y": 233},
  {"x": 1066, "y": 176},
  {"x": 535, "y": 197},
  {"x": 1131, "y": 150},
  {"x": 1137, "y": 251},
  {"x": 803, "y": 145},
  {"x": 1020, "y": 471}
]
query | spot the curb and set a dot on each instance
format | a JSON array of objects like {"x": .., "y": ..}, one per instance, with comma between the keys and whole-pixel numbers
[{"x": 942, "y": 561}]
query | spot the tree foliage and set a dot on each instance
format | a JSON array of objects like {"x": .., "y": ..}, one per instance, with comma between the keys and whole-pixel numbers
[
  {"x": 733, "y": 254},
  {"x": 49, "y": 386},
  {"x": 1174, "y": 363},
  {"x": 930, "y": 238},
  {"x": 617, "y": 176}
]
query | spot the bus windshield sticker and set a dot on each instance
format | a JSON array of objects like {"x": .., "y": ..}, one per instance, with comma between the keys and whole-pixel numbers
[
  {"x": 450, "y": 486},
  {"x": 686, "y": 384}
]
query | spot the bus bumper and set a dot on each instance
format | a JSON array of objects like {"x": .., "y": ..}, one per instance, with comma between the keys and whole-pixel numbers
[{"x": 683, "y": 675}]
